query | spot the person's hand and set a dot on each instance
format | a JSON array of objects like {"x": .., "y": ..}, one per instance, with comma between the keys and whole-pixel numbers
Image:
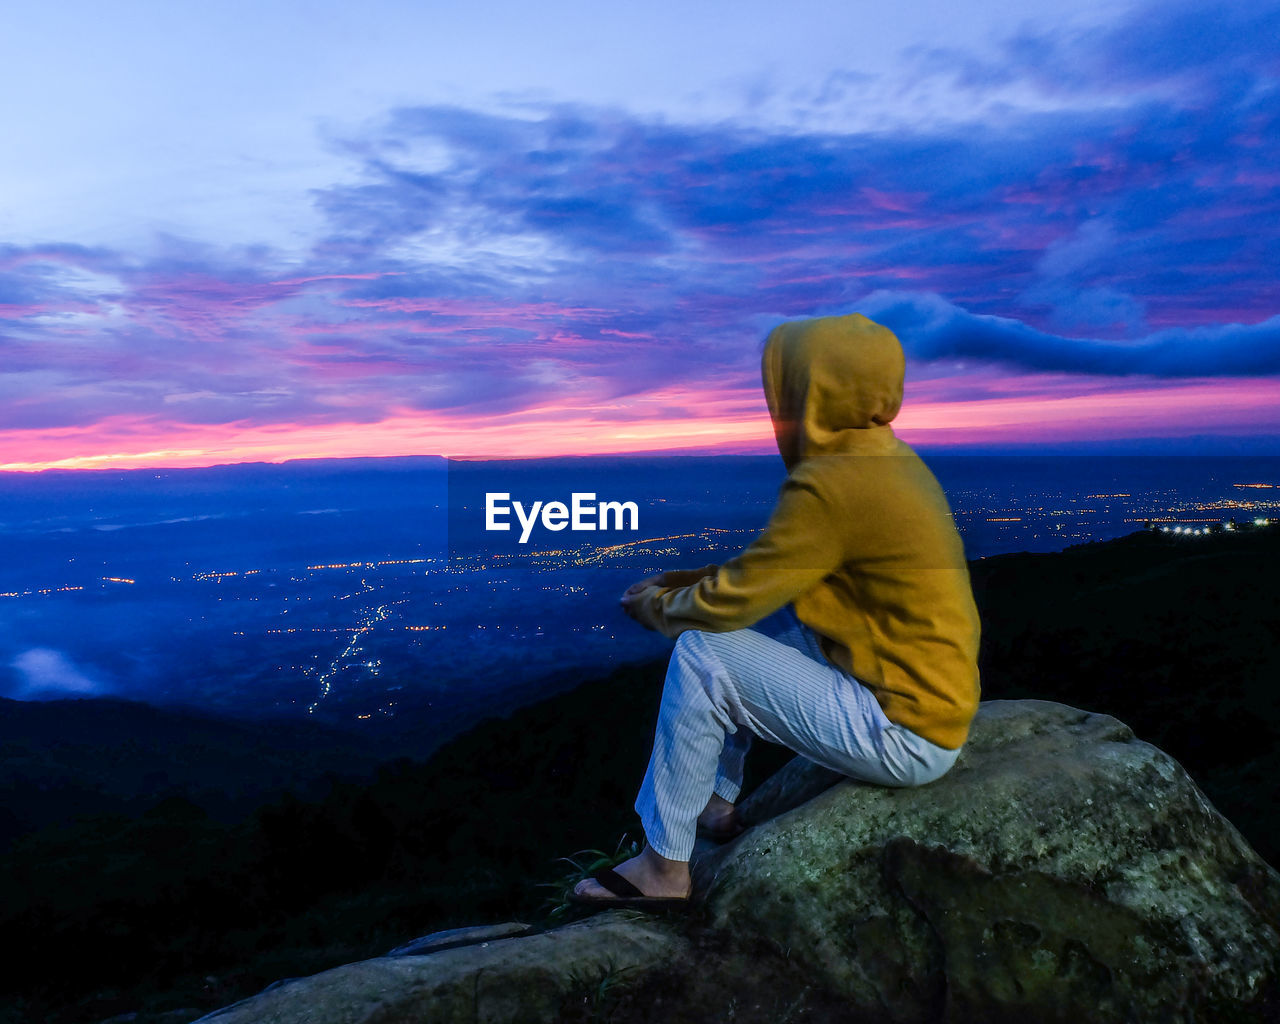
[{"x": 635, "y": 595}]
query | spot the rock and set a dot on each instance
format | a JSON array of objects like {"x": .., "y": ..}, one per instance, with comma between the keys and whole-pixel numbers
[
  {"x": 529, "y": 978},
  {"x": 471, "y": 936},
  {"x": 1062, "y": 871}
]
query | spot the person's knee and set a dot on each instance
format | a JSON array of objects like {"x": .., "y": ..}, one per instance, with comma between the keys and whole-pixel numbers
[
  {"x": 697, "y": 677},
  {"x": 693, "y": 660},
  {"x": 687, "y": 641},
  {"x": 714, "y": 648}
]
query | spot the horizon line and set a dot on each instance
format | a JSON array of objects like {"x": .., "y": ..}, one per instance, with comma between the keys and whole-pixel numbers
[{"x": 1155, "y": 448}]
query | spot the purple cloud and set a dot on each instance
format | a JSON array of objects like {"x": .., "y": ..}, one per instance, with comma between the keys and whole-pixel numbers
[{"x": 483, "y": 263}]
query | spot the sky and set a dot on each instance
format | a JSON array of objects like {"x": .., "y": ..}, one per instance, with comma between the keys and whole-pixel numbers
[{"x": 262, "y": 231}]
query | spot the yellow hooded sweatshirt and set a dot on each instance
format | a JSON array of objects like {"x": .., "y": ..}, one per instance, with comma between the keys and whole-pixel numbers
[{"x": 861, "y": 541}]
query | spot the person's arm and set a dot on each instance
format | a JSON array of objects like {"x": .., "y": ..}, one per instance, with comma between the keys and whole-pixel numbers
[{"x": 803, "y": 542}]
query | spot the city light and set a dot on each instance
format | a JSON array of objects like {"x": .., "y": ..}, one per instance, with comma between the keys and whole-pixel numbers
[{"x": 339, "y": 631}]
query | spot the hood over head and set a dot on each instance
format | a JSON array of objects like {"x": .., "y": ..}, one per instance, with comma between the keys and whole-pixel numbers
[{"x": 832, "y": 384}]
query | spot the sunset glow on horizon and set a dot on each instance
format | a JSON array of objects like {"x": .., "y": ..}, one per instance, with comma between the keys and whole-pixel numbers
[{"x": 1213, "y": 407}]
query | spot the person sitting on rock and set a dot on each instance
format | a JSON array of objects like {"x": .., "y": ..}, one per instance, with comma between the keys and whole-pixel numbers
[{"x": 846, "y": 630}]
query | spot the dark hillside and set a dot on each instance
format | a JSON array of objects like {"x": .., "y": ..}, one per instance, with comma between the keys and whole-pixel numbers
[
  {"x": 63, "y": 758},
  {"x": 1177, "y": 636}
]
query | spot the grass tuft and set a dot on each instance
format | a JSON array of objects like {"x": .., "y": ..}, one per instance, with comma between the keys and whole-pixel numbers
[{"x": 582, "y": 865}]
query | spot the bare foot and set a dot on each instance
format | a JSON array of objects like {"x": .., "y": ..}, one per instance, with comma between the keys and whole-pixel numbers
[{"x": 652, "y": 874}]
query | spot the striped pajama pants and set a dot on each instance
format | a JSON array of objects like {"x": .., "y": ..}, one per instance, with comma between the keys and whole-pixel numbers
[{"x": 772, "y": 681}]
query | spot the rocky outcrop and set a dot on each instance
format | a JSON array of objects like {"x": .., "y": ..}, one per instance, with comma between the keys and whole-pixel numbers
[
  {"x": 535, "y": 977},
  {"x": 1063, "y": 870}
]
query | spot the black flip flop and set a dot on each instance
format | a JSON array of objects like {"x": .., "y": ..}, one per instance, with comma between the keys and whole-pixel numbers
[{"x": 625, "y": 895}]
